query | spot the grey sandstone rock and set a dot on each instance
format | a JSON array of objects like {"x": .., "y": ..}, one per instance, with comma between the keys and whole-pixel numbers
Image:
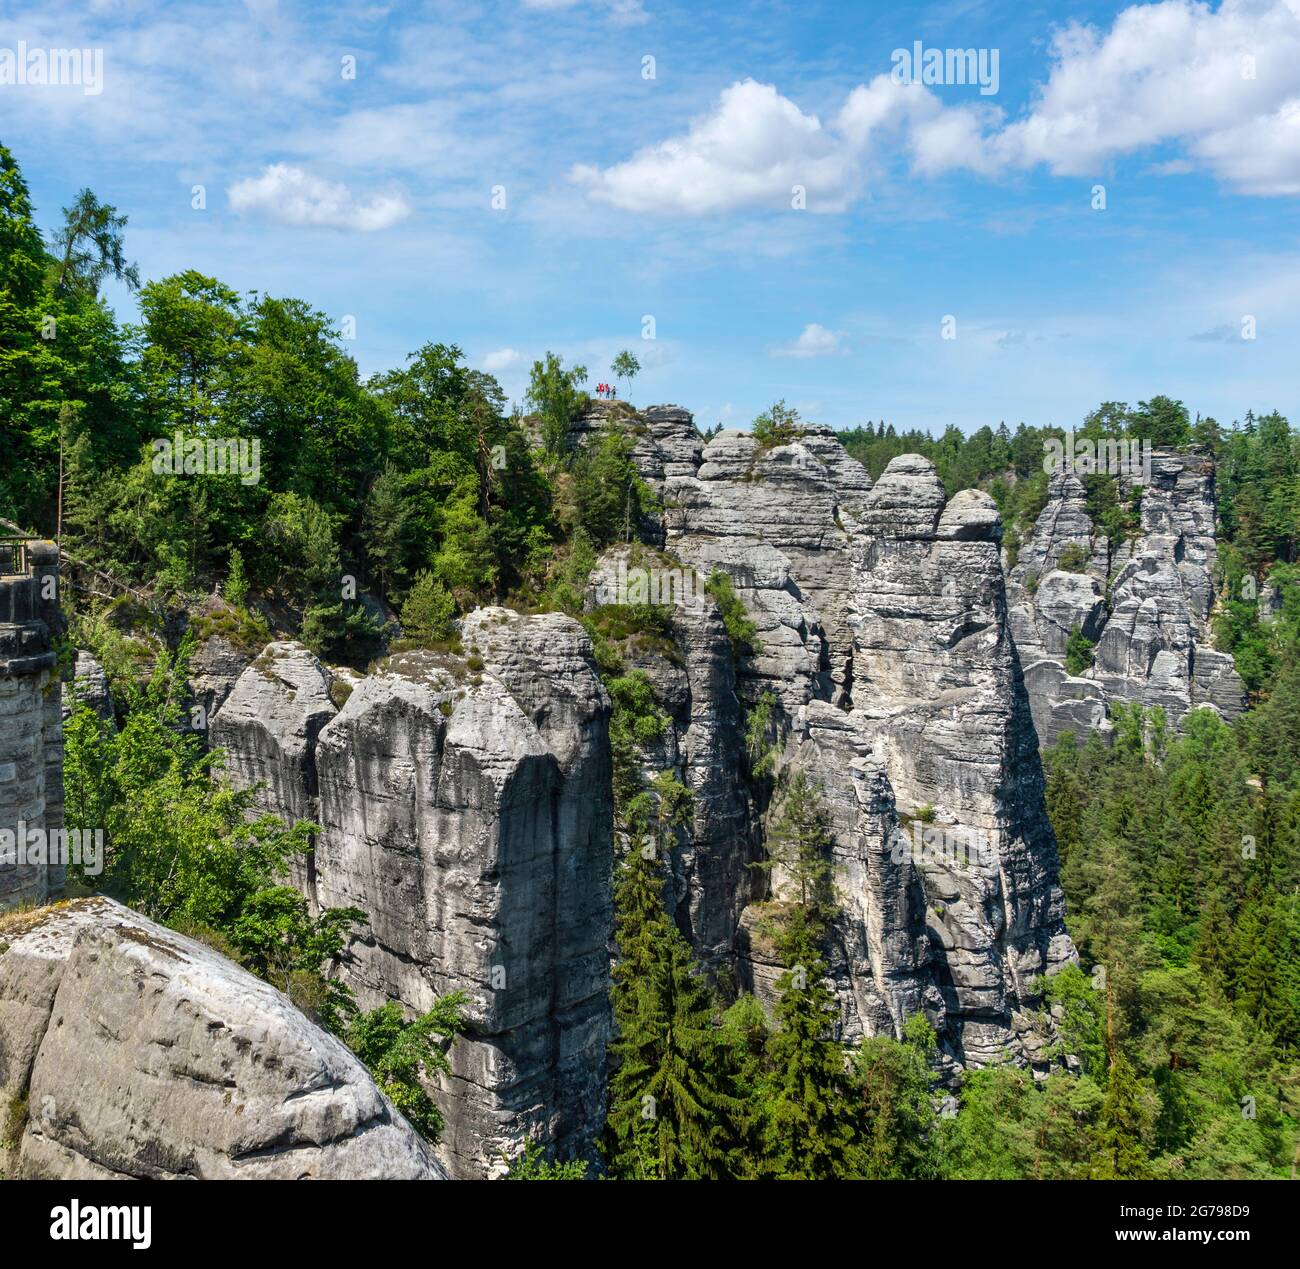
[
  {"x": 145, "y": 1054},
  {"x": 268, "y": 728},
  {"x": 1146, "y": 604},
  {"x": 467, "y": 812},
  {"x": 89, "y": 685},
  {"x": 703, "y": 748},
  {"x": 886, "y": 643}
]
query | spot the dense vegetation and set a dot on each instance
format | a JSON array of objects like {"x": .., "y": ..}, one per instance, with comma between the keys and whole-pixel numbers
[
  {"x": 416, "y": 493},
  {"x": 359, "y": 491}
]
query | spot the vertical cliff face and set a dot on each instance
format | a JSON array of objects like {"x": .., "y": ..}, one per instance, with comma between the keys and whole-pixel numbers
[
  {"x": 1145, "y": 604},
  {"x": 776, "y": 522},
  {"x": 268, "y": 728},
  {"x": 883, "y": 621},
  {"x": 703, "y": 746},
  {"x": 464, "y": 805},
  {"x": 938, "y": 684}
]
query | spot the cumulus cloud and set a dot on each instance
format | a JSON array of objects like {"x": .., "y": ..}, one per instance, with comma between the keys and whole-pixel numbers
[
  {"x": 1221, "y": 85},
  {"x": 294, "y": 197},
  {"x": 1224, "y": 84},
  {"x": 753, "y": 149},
  {"x": 814, "y": 341},
  {"x": 501, "y": 359}
]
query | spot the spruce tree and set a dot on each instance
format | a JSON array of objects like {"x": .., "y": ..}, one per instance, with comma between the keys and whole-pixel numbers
[
  {"x": 673, "y": 1108},
  {"x": 809, "y": 1130},
  {"x": 894, "y": 1091},
  {"x": 1118, "y": 1154},
  {"x": 799, "y": 843}
]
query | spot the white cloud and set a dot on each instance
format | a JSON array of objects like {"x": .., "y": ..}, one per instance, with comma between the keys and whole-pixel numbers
[
  {"x": 501, "y": 359},
  {"x": 751, "y": 150},
  {"x": 814, "y": 341},
  {"x": 294, "y": 197},
  {"x": 1222, "y": 85},
  {"x": 1225, "y": 84}
]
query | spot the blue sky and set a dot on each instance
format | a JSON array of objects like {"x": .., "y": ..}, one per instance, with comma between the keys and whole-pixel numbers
[{"x": 669, "y": 197}]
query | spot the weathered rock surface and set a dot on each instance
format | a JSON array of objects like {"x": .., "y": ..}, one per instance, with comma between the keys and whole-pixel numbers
[
  {"x": 1145, "y": 604},
  {"x": 886, "y": 644},
  {"x": 31, "y": 723},
  {"x": 467, "y": 811},
  {"x": 937, "y": 684},
  {"x": 703, "y": 747},
  {"x": 268, "y": 727},
  {"x": 145, "y": 1054},
  {"x": 219, "y": 658},
  {"x": 89, "y": 685},
  {"x": 778, "y": 522}
]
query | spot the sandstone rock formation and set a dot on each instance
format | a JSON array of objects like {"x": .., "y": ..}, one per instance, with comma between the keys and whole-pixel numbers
[
  {"x": 1145, "y": 604},
  {"x": 219, "y": 658},
  {"x": 89, "y": 686},
  {"x": 885, "y": 642},
  {"x": 141, "y": 1053},
  {"x": 464, "y": 805},
  {"x": 268, "y": 728},
  {"x": 695, "y": 685}
]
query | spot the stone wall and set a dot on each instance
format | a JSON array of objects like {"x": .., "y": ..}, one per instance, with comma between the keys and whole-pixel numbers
[{"x": 31, "y": 727}]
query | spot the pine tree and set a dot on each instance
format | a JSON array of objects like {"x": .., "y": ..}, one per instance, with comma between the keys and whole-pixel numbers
[
  {"x": 673, "y": 1108},
  {"x": 809, "y": 1130},
  {"x": 1118, "y": 1154},
  {"x": 1212, "y": 951},
  {"x": 799, "y": 843},
  {"x": 898, "y": 1110}
]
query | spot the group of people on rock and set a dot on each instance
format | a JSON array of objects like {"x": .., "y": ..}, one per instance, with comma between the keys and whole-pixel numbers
[{"x": 607, "y": 391}]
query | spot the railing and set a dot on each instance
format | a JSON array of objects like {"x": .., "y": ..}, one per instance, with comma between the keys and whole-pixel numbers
[{"x": 13, "y": 556}]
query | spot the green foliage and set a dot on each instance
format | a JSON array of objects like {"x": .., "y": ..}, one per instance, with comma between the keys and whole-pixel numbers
[
  {"x": 779, "y": 424},
  {"x": 533, "y": 1165},
  {"x": 1009, "y": 1127},
  {"x": 1179, "y": 875},
  {"x": 625, "y": 366},
  {"x": 636, "y": 721},
  {"x": 402, "y": 1055},
  {"x": 760, "y": 748},
  {"x": 809, "y": 1128},
  {"x": 893, "y": 1082},
  {"x": 235, "y": 589},
  {"x": 181, "y": 849},
  {"x": 1078, "y": 652},
  {"x": 674, "y": 1112},
  {"x": 275, "y": 936},
  {"x": 799, "y": 844},
  {"x": 609, "y": 498},
  {"x": 1073, "y": 559},
  {"x": 88, "y": 248},
  {"x": 741, "y": 628},
  {"x": 428, "y": 611},
  {"x": 1119, "y": 1152},
  {"x": 556, "y": 395},
  {"x": 1080, "y": 1026},
  {"x": 417, "y": 469}
]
